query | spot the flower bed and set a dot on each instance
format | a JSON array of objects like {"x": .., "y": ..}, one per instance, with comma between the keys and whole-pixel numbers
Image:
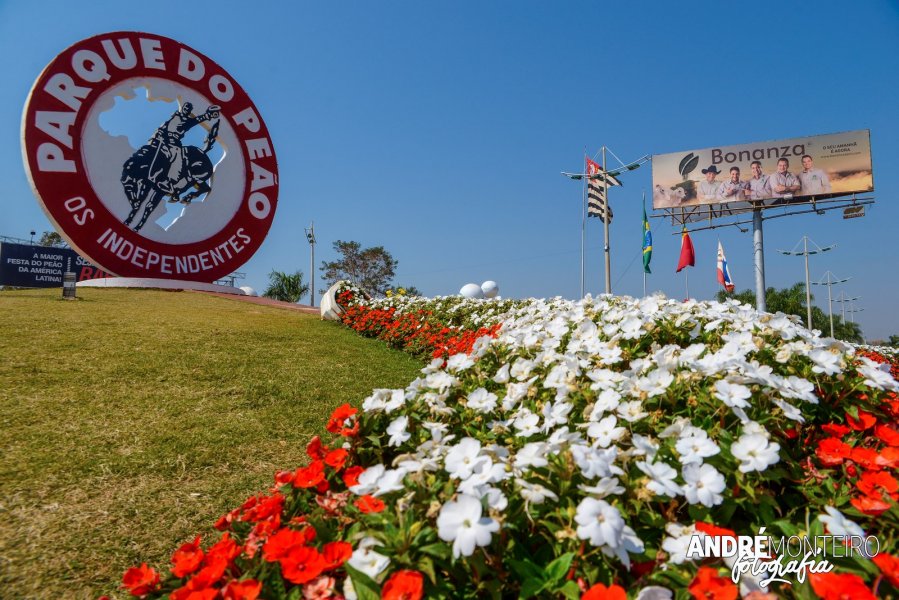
[{"x": 572, "y": 449}]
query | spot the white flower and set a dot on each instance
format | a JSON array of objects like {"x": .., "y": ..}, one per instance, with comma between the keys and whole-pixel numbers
[
  {"x": 607, "y": 400},
  {"x": 678, "y": 542},
  {"x": 459, "y": 362},
  {"x": 605, "y": 431},
  {"x": 526, "y": 423},
  {"x": 732, "y": 394},
  {"x": 461, "y": 523},
  {"x": 367, "y": 560},
  {"x": 826, "y": 361},
  {"x": 655, "y": 383},
  {"x": 875, "y": 377},
  {"x": 607, "y": 486},
  {"x": 397, "y": 431},
  {"x": 838, "y": 524},
  {"x": 662, "y": 478},
  {"x": 502, "y": 375},
  {"x": 555, "y": 413},
  {"x": 632, "y": 411},
  {"x": 643, "y": 446},
  {"x": 599, "y": 522},
  {"x": 521, "y": 368},
  {"x": 595, "y": 463},
  {"x": 531, "y": 455},
  {"x": 390, "y": 481},
  {"x": 754, "y": 452},
  {"x": 695, "y": 447},
  {"x": 397, "y": 400},
  {"x": 481, "y": 400},
  {"x": 534, "y": 493},
  {"x": 463, "y": 458},
  {"x": 437, "y": 430},
  {"x": 368, "y": 480},
  {"x": 703, "y": 484},
  {"x": 655, "y": 592}
]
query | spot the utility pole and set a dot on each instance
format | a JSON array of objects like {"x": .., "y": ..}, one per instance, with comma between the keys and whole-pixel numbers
[
  {"x": 806, "y": 252},
  {"x": 829, "y": 283},
  {"x": 843, "y": 300},
  {"x": 310, "y": 236}
]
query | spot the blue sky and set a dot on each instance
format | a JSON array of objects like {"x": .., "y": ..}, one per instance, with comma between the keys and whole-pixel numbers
[{"x": 439, "y": 130}]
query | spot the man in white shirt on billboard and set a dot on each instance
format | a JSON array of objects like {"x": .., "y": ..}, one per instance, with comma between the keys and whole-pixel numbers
[
  {"x": 733, "y": 190},
  {"x": 783, "y": 183},
  {"x": 759, "y": 183},
  {"x": 814, "y": 181},
  {"x": 708, "y": 189}
]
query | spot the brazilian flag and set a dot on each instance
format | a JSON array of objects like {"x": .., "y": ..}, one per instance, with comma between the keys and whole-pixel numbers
[{"x": 647, "y": 242}]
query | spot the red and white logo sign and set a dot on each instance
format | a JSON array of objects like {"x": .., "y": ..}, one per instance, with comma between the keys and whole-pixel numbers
[{"x": 190, "y": 195}]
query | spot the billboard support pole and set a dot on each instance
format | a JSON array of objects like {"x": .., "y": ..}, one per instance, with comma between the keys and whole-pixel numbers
[
  {"x": 758, "y": 245},
  {"x": 605, "y": 223},
  {"x": 584, "y": 231}
]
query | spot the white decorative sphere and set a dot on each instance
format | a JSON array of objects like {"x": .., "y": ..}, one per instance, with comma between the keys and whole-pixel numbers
[
  {"x": 248, "y": 291},
  {"x": 471, "y": 290},
  {"x": 490, "y": 289}
]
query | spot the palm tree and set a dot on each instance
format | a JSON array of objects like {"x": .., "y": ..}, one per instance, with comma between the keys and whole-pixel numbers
[{"x": 286, "y": 287}]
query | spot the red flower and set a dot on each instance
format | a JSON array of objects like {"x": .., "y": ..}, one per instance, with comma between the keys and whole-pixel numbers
[
  {"x": 336, "y": 424},
  {"x": 864, "y": 420},
  {"x": 192, "y": 592},
  {"x": 278, "y": 545},
  {"x": 845, "y": 586},
  {"x": 335, "y": 554},
  {"x": 866, "y": 458},
  {"x": 403, "y": 585},
  {"x": 889, "y": 566},
  {"x": 225, "y": 520},
  {"x": 835, "y": 430},
  {"x": 336, "y": 458},
  {"x": 831, "y": 452},
  {"x": 302, "y": 564},
  {"x": 310, "y": 476},
  {"x": 315, "y": 449},
  {"x": 886, "y": 433},
  {"x": 369, "y": 504},
  {"x": 871, "y": 505},
  {"x": 140, "y": 581},
  {"x": 248, "y": 589},
  {"x": 877, "y": 483},
  {"x": 225, "y": 549},
  {"x": 187, "y": 558},
  {"x": 601, "y": 592},
  {"x": 707, "y": 585},
  {"x": 714, "y": 530},
  {"x": 351, "y": 476},
  {"x": 265, "y": 508}
]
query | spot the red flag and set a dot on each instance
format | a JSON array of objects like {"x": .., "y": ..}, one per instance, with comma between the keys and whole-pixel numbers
[{"x": 687, "y": 256}]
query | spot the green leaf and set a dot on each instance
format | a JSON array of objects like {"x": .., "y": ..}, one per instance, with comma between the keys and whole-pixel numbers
[
  {"x": 438, "y": 550},
  {"x": 426, "y": 566},
  {"x": 526, "y": 569},
  {"x": 570, "y": 590},
  {"x": 558, "y": 569},
  {"x": 366, "y": 587}
]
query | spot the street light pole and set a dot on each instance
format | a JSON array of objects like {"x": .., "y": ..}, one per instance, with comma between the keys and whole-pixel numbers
[
  {"x": 806, "y": 252},
  {"x": 310, "y": 236},
  {"x": 605, "y": 224},
  {"x": 830, "y": 281}
]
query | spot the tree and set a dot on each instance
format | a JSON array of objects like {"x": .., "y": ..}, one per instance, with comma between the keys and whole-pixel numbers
[
  {"x": 51, "y": 238},
  {"x": 371, "y": 268},
  {"x": 894, "y": 341},
  {"x": 286, "y": 287},
  {"x": 791, "y": 301}
]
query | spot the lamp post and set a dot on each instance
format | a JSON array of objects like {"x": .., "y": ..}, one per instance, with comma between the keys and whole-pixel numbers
[
  {"x": 830, "y": 283},
  {"x": 806, "y": 252},
  {"x": 843, "y": 300},
  {"x": 32, "y": 237},
  {"x": 310, "y": 237}
]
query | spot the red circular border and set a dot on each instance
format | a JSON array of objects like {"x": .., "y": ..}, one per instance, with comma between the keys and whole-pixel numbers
[{"x": 83, "y": 230}]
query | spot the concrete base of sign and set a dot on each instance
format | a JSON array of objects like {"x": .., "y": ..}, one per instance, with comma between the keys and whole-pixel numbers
[{"x": 160, "y": 284}]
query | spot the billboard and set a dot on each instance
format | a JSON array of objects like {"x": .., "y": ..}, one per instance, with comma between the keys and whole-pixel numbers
[
  {"x": 772, "y": 173},
  {"x": 24, "y": 265}
]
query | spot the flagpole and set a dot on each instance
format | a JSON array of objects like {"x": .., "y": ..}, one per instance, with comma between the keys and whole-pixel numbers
[
  {"x": 643, "y": 237},
  {"x": 583, "y": 228},
  {"x": 605, "y": 222},
  {"x": 687, "y": 282}
]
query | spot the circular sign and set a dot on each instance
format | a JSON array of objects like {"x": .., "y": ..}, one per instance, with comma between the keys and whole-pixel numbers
[{"x": 188, "y": 196}]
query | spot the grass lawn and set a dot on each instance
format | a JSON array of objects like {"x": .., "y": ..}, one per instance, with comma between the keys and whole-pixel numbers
[{"x": 131, "y": 420}]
